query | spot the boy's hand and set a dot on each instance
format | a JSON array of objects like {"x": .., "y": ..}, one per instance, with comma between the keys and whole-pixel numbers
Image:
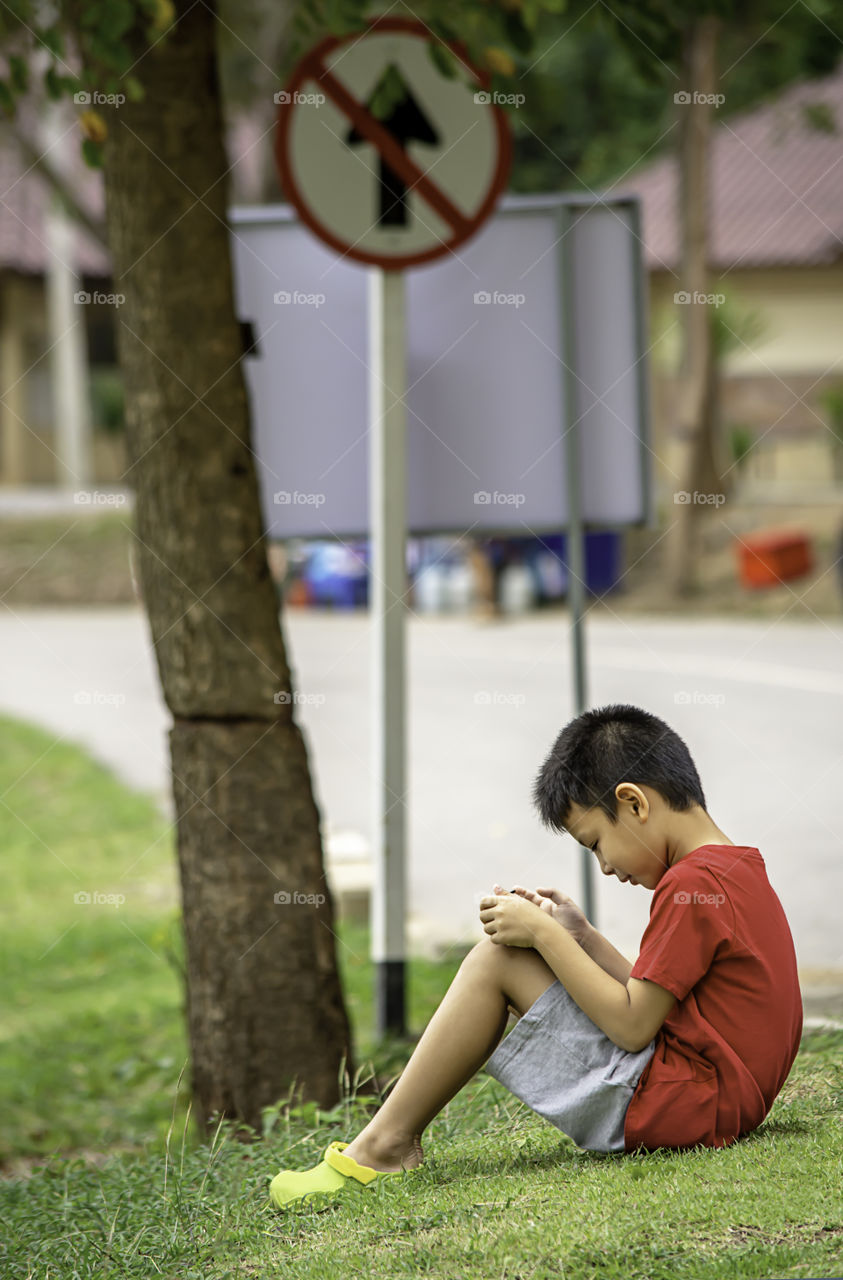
[
  {"x": 509, "y": 918},
  {"x": 563, "y": 910}
]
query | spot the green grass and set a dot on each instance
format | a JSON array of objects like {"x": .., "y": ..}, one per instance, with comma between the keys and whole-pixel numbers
[
  {"x": 92, "y": 1037},
  {"x": 78, "y": 558},
  {"x": 501, "y": 1194},
  {"x": 92, "y": 1045}
]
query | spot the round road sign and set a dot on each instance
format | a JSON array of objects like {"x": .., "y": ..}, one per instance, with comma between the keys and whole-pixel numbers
[{"x": 406, "y": 186}]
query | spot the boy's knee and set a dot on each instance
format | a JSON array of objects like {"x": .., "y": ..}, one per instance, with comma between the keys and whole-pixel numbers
[
  {"x": 486, "y": 951},
  {"x": 490, "y": 956},
  {"x": 483, "y": 954}
]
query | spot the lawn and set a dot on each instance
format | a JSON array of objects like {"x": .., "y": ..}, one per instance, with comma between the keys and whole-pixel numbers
[
  {"x": 103, "y": 1176},
  {"x": 92, "y": 1039},
  {"x": 79, "y": 558}
]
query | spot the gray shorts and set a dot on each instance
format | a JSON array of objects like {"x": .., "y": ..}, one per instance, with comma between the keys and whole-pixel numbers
[{"x": 566, "y": 1069}]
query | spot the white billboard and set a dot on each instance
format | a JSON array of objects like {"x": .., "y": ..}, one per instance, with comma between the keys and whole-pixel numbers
[{"x": 534, "y": 325}]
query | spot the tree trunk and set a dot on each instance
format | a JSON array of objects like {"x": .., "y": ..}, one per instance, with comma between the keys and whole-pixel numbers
[
  {"x": 697, "y": 386},
  {"x": 265, "y": 1004}
]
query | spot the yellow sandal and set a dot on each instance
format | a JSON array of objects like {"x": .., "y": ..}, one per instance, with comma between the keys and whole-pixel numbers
[{"x": 335, "y": 1172}]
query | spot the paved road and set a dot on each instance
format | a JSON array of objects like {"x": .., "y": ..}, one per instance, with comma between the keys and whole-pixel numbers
[{"x": 759, "y": 703}]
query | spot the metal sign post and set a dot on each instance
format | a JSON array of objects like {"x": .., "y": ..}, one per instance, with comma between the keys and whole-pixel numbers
[
  {"x": 575, "y": 540},
  {"x": 387, "y": 611},
  {"x": 391, "y": 164}
]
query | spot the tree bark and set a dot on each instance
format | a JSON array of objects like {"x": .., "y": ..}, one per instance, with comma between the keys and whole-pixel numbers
[
  {"x": 697, "y": 416},
  {"x": 265, "y": 1005}
]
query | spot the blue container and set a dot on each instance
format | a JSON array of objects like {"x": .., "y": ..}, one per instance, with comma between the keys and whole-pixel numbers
[
  {"x": 602, "y": 562},
  {"x": 337, "y": 574}
]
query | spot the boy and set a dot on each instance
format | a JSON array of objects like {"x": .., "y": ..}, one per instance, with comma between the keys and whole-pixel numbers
[{"x": 689, "y": 1045}]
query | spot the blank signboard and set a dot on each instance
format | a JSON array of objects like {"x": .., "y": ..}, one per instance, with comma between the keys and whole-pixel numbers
[{"x": 534, "y": 325}]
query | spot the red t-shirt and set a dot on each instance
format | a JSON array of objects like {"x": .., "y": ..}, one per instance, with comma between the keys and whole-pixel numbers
[{"x": 719, "y": 941}]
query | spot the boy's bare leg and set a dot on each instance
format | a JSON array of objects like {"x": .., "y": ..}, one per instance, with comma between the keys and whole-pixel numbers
[{"x": 460, "y": 1036}]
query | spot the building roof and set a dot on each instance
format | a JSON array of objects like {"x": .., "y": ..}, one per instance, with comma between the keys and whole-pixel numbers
[
  {"x": 776, "y": 186},
  {"x": 25, "y": 195},
  {"x": 776, "y": 190}
]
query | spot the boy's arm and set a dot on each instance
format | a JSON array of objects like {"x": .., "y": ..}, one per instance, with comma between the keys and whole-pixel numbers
[
  {"x": 600, "y": 949},
  {"x": 629, "y": 1010},
  {"x": 569, "y": 916}
]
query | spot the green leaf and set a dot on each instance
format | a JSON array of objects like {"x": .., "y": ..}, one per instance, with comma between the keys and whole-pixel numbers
[
  {"x": 302, "y": 20},
  {"x": 442, "y": 59},
  {"x": 7, "y": 101},
  {"x": 343, "y": 17},
  {"x": 346, "y": 26},
  {"x": 20, "y": 73},
  {"x": 163, "y": 16},
  {"x": 819, "y": 116},
  {"x": 52, "y": 81},
  {"x": 517, "y": 34},
  {"x": 117, "y": 18},
  {"x": 135, "y": 91},
  {"x": 104, "y": 52},
  {"x": 92, "y": 152},
  {"x": 530, "y": 13},
  {"x": 378, "y": 104},
  {"x": 389, "y": 91},
  {"x": 52, "y": 39}
]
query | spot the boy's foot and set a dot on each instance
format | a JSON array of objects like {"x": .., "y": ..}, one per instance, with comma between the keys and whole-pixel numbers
[
  {"x": 388, "y": 1159},
  {"x": 325, "y": 1180}
]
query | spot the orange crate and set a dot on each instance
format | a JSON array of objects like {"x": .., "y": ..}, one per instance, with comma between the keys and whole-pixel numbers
[{"x": 766, "y": 559}]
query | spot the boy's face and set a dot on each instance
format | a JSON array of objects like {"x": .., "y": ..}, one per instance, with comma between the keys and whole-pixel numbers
[{"x": 631, "y": 848}]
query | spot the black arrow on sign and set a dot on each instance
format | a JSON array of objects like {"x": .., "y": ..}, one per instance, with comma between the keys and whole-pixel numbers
[{"x": 407, "y": 123}]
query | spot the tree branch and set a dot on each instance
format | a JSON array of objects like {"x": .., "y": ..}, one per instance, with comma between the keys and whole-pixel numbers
[{"x": 36, "y": 159}]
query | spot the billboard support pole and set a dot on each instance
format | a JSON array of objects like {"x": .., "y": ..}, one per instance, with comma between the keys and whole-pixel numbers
[
  {"x": 575, "y": 540},
  {"x": 387, "y": 612}
]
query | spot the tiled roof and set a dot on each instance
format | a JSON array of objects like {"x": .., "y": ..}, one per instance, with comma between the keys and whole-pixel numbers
[
  {"x": 24, "y": 196},
  {"x": 776, "y": 183},
  {"x": 776, "y": 186}
]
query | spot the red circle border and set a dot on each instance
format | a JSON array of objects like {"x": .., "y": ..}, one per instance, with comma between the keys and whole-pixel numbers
[{"x": 306, "y": 69}]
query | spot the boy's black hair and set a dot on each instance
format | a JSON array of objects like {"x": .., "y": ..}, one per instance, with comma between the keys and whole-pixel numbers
[{"x": 599, "y": 749}]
